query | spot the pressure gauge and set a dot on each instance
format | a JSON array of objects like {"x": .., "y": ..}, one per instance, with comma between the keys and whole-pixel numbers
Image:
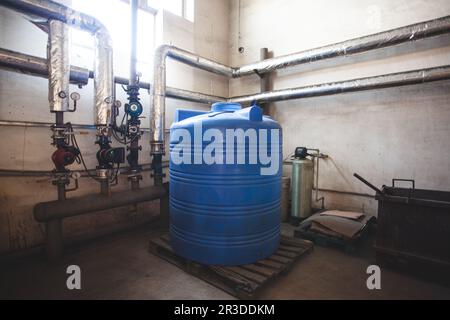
[
  {"x": 75, "y": 96},
  {"x": 117, "y": 104}
]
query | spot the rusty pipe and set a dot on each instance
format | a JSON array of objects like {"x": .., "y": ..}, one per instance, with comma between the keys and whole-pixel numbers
[{"x": 47, "y": 211}]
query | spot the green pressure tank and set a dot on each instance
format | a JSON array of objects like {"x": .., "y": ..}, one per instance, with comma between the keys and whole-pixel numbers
[{"x": 302, "y": 185}]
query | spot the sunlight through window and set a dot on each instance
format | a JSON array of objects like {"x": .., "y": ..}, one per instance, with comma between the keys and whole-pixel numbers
[{"x": 115, "y": 15}]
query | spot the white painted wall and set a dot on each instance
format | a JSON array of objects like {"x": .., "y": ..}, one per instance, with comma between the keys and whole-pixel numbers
[
  {"x": 383, "y": 134},
  {"x": 24, "y": 98}
]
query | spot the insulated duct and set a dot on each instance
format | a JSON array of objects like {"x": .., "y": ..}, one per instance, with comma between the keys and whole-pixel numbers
[
  {"x": 369, "y": 83},
  {"x": 58, "y": 66},
  {"x": 362, "y": 44},
  {"x": 158, "y": 107},
  {"x": 35, "y": 66},
  {"x": 379, "y": 40},
  {"x": 103, "y": 65}
]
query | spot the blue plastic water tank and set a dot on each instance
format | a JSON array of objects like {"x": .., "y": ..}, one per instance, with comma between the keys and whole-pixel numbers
[{"x": 223, "y": 213}]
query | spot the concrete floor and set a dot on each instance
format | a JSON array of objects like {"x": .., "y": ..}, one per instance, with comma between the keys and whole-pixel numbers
[{"x": 120, "y": 267}]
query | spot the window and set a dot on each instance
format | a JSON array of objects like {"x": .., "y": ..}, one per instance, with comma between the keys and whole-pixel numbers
[
  {"x": 182, "y": 8},
  {"x": 115, "y": 15}
]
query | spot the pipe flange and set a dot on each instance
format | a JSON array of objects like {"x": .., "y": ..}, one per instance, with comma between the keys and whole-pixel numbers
[
  {"x": 134, "y": 177},
  {"x": 103, "y": 174},
  {"x": 60, "y": 177}
]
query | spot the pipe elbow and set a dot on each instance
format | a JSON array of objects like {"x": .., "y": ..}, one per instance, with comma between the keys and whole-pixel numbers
[
  {"x": 162, "y": 52},
  {"x": 104, "y": 38}
]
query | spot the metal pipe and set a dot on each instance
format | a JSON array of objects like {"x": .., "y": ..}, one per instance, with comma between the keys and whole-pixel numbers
[
  {"x": 53, "y": 231},
  {"x": 379, "y": 40},
  {"x": 176, "y": 93},
  {"x": 350, "y": 193},
  {"x": 47, "y": 211},
  {"x": 133, "y": 36},
  {"x": 104, "y": 187},
  {"x": 58, "y": 66},
  {"x": 35, "y": 66},
  {"x": 357, "y": 45},
  {"x": 158, "y": 108},
  {"x": 369, "y": 83},
  {"x": 264, "y": 82},
  {"x": 50, "y": 173},
  {"x": 103, "y": 64},
  {"x": 264, "y": 78}
]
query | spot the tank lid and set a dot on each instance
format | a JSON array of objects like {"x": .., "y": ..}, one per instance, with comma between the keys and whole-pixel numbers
[{"x": 225, "y": 106}]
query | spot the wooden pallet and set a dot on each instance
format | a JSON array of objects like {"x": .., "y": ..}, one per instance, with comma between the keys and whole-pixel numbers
[{"x": 243, "y": 281}]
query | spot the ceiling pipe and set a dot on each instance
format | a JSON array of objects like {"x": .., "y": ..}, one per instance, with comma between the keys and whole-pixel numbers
[
  {"x": 103, "y": 65},
  {"x": 361, "y": 84},
  {"x": 379, "y": 40},
  {"x": 362, "y": 44}
]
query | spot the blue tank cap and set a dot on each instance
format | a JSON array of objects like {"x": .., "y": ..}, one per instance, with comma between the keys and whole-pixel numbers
[{"x": 225, "y": 106}]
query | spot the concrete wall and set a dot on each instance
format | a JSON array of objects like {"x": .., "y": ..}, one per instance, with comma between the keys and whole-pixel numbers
[
  {"x": 24, "y": 98},
  {"x": 383, "y": 134}
]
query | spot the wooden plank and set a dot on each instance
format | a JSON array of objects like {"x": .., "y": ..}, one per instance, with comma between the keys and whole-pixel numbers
[
  {"x": 280, "y": 259},
  {"x": 267, "y": 272},
  {"x": 166, "y": 237},
  {"x": 287, "y": 254},
  {"x": 241, "y": 281},
  {"x": 161, "y": 243},
  {"x": 291, "y": 249},
  {"x": 302, "y": 243},
  {"x": 247, "y": 274},
  {"x": 270, "y": 264}
]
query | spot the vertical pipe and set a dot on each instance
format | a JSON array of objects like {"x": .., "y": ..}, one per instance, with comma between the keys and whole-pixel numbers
[
  {"x": 133, "y": 47},
  {"x": 265, "y": 84},
  {"x": 58, "y": 97},
  {"x": 164, "y": 207},
  {"x": 103, "y": 79},
  {"x": 104, "y": 186},
  {"x": 53, "y": 228},
  {"x": 134, "y": 184},
  {"x": 59, "y": 118},
  {"x": 58, "y": 66}
]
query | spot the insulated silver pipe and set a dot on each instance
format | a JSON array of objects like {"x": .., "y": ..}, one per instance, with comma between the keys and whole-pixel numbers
[
  {"x": 58, "y": 66},
  {"x": 369, "y": 83},
  {"x": 388, "y": 38},
  {"x": 133, "y": 45},
  {"x": 103, "y": 65},
  {"x": 158, "y": 108},
  {"x": 35, "y": 66},
  {"x": 379, "y": 40}
]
